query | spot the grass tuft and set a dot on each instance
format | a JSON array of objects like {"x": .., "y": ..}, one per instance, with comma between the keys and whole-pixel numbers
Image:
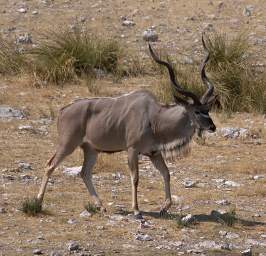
[
  {"x": 67, "y": 55},
  {"x": 12, "y": 60},
  {"x": 91, "y": 208},
  {"x": 31, "y": 206}
]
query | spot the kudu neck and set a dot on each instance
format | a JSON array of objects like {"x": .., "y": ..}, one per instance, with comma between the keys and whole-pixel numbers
[{"x": 173, "y": 123}]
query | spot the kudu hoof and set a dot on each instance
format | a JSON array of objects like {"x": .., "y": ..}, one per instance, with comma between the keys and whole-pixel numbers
[
  {"x": 163, "y": 213},
  {"x": 138, "y": 216}
]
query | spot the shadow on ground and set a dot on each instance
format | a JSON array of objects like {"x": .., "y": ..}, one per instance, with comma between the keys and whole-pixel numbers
[{"x": 227, "y": 218}]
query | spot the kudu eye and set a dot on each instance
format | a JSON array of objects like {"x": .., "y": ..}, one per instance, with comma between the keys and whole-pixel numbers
[{"x": 197, "y": 112}]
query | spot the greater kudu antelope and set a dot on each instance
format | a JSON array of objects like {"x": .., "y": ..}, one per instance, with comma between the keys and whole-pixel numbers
[{"x": 135, "y": 123}]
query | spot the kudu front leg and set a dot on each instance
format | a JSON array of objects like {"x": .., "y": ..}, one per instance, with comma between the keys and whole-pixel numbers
[
  {"x": 160, "y": 165},
  {"x": 134, "y": 174}
]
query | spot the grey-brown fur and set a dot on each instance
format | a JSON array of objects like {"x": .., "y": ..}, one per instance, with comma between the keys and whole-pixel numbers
[{"x": 133, "y": 122}]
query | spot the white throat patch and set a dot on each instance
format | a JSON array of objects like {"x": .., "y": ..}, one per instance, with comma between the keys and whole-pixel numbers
[{"x": 175, "y": 148}]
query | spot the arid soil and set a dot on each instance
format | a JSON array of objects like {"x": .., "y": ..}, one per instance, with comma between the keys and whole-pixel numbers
[{"x": 223, "y": 175}]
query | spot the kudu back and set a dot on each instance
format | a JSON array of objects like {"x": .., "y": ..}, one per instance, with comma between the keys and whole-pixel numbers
[{"x": 136, "y": 123}]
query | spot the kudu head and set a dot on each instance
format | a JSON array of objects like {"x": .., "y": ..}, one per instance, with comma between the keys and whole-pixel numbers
[{"x": 198, "y": 109}]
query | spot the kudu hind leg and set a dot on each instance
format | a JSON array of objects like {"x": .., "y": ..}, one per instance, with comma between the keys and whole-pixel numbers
[
  {"x": 58, "y": 157},
  {"x": 159, "y": 164},
  {"x": 90, "y": 157}
]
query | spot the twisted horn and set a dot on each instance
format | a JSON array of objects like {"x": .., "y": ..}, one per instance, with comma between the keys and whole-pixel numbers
[
  {"x": 176, "y": 86},
  {"x": 210, "y": 88}
]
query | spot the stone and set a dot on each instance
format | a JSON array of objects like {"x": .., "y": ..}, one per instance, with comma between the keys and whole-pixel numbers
[
  {"x": 230, "y": 183},
  {"x": 258, "y": 177},
  {"x": 82, "y": 19},
  {"x": 144, "y": 224},
  {"x": 223, "y": 202},
  {"x": 188, "y": 219},
  {"x": 117, "y": 217},
  {"x": 189, "y": 183},
  {"x": 150, "y": 35},
  {"x": 7, "y": 112},
  {"x": 233, "y": 133},
  {"x": 247, "y": 252},
  {"x": 85, "y": 213},
  {"x": 143, "y": 237},
  {"x": 24, "y": 39},
  {"x": 35, "y": 12},
  {"x": 73, "y": 246},
  {"x": 128, "y": 23},
  {"x": 72, "y": 171},
  {"x": 23, "y": 166},
  {"x": 231, "y": 235},
  {"x": 2, "y": 210},
  {"x": 72, "y": 221},
  {"x": 22, "y": 10},
  {"x": 26, "y": 128},
  {"x": 37, "y": 252},
  {"x": 208, "y": 244},
  {"x": 248, "y": 10}
]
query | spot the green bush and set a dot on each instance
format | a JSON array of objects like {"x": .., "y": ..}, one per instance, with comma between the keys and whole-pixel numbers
[
  {"x": 31, "y": 206},
  {"x": 69, "y": 54}
]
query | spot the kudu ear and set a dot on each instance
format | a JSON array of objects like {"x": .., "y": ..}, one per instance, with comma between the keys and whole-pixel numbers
[{"x": 213, "y": 100}]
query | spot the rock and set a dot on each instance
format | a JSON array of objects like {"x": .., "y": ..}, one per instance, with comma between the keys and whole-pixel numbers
[
  {"x": 2, "y": 210},
  {"x": 9, "y": 113},
  {"x": 24, "y": 39},
  {"x": 232, "y": 133},
  {"x": 222, "y": 233},
  {"x": 117, "y": 176},
  {"x": 208, "y": 27},
  {"x": 82, "y": 19},
  {"x": 26, "y": 128},
  {"x": 230, "y": 183},
  {"x": 128, "y": 23},
  {"x": 26, "y": 177},
  {"x": 85, "y": 213},
  {"x": 37, "y": 252},
  {"x": 143, "y": 237},
  {"x": 72, "y": 221},
  {"x": 247, "y": 252},
  {"x": 150, "y": 35},
  {"x": 23, "y": 166},
  {"x": 248, "y": 10},
  {"x": 231, "y": 235},
  {"x": 258, "y": 177},
  {"x": 72, "y": 171},
  {"x": 117, "y": 217},
  {"x": 144, "y": 224},
  {"x": 223, "y": 202},
  {"x": 189, "y": 183},
  {"x": 22, "y": 10},
  {"x": 188, "y": 219},
  {"x": 208, "y": 244},
  {"x": 73, "y": 246},
  {"x": 35, "y": 12}
]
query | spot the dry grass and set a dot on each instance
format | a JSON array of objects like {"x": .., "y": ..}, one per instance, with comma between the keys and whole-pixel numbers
[
  {"x": 12, "y": 60},
  {"x": 239, "y": 86}
]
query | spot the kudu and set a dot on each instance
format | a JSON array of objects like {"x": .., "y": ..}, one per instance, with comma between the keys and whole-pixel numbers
[{"x": 135, "y": 123}]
